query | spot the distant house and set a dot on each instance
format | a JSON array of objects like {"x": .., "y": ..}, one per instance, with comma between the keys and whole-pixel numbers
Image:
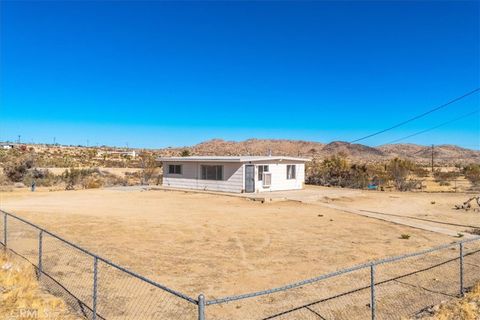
[
  {"x": 234, "y": 174},
  {"x": 7, "y": 146}
]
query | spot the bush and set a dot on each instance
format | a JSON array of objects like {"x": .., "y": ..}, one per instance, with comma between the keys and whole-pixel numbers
[
  {"x": 444, "y": 178},
  {"x": 398, "y": 171},
  {"x": 185, "y": 153},
  {"x": 336, "y": 171},
  {"x": 472, "y": 173},
  {"x": 90, "y": 178},
  {"x": 17, "y": 171},
  {"x": 41, "y": 177},
  {"x": 150, "y": 168},
  {"x": 421, "y": 172}
]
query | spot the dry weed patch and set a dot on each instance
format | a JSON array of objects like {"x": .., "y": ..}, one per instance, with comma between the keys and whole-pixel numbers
[{"x": 21, "y": 296}]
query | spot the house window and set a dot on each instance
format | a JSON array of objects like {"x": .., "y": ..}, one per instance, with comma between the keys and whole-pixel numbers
[
  {"x": 291, "y": 171},
  {"x": 175, "y": 169},
  {"x": 212, "y": 172},
  {"x": 261, "y": 170}
]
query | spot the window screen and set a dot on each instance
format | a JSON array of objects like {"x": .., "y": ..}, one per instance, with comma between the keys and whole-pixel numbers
[
  {"x": 212, "y": 172},
  {"x": 291, "y": 171}
]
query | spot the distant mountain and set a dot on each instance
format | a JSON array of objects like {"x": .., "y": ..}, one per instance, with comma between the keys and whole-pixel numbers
[
  {"x": 352, "y": 150},
  {"x": 444, "y": 154}
]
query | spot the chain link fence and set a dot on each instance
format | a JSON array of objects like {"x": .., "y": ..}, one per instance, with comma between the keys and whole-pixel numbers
[
  {"x": 91, "y": 285},
  {"x": 393, "y": 288}
]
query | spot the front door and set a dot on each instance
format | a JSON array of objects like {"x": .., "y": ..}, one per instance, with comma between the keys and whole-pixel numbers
[{"x": 249, "y": 178}]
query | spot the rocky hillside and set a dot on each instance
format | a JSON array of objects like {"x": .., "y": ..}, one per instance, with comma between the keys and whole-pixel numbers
[{"x": 443, "y": 154}]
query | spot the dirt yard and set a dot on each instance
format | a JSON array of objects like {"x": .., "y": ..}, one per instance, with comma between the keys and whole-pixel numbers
[
  {"x": 224, "y": 245},
  {"x": 430, "y": 209}
]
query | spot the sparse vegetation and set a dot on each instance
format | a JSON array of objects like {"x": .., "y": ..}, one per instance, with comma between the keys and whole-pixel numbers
[
  {"x": 475, "y": 231},
  {"x": 150, "y": 169},
  {"x": 351, "y": 165},
  {"x": 405, "y": 236},
  {"x": 90, "y": 178},
  {"x": 17, "y": 171},
  {"x": 444, "y": 178},
  {"x": 185, "y": 153},
  {"x": 21, "y": 296},
  {"x": 399, "y": 171},
  {"x": 472, "y": 173},
  {"x": 465, "y": 308},
  {"x": 337, "y": 171}
]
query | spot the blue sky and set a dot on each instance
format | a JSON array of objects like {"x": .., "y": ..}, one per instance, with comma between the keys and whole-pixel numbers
[{"x": 157, "y": 74}]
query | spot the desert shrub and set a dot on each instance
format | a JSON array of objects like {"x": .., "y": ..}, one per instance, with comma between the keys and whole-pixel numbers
[
  {"x": 73, "y": 177},
  {"x": 41, "y": 177},
  {"x": 4, "y": 181},
  {"x": 150, "y": 167},
  {"x": 89, "y": 178},
  {"x": 379, "y": 175},
  {"x": 185, "y": 153},
  {"x": 472, "y": 173},
  {"x": 336, "y": 171},
  {"x": 444, "y": 178},
  {"x": 16, "y": 172},
  {"x": 421, "y": 172},
  {"x": 399, "y": 171},
  {"x": 92, "y": 182},
  {"x": 358, "y": 177}
]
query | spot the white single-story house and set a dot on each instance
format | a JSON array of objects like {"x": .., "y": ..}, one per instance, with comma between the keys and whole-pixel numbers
[{"x": 236, "y": 174}]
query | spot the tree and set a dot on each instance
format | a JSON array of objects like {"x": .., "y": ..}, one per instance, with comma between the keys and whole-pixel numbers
[
  {"x": 398, "y": 171},
  {"x": 149, "y": 165}
]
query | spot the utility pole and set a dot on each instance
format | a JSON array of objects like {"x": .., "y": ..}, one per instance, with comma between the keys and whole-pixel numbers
[
  {"x": 19, "y": 136},
  {"x": 54, "y": 138},
  {"x": 432, "y": 157}
]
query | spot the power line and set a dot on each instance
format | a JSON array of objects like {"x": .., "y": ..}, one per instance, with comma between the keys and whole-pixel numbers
[
  {"x": 435, "y": 127},
  {"x": 419, "y": 116}
]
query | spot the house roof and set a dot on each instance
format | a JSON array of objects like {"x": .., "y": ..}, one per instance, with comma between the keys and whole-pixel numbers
[{"x": 230, "y": 159}]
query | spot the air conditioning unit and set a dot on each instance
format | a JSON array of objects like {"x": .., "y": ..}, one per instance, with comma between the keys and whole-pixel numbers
[{"x": 267, "y": 179}]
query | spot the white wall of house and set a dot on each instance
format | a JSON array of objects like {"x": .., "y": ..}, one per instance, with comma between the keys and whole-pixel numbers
[
  {"x": 279, "y": 176},
  {"x": 233, "y": 179},
  {"x": 234, "y": 176}
]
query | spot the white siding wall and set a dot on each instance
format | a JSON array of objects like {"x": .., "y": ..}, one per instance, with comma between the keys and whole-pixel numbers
[
  {"x": 191, "y": 177},
  {"x": 279, "y": 177}
]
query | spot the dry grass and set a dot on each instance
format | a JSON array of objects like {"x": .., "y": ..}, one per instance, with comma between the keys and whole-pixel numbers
[
  {"x": 20, "y": 294},
  {"x": 467, "y": 308}
]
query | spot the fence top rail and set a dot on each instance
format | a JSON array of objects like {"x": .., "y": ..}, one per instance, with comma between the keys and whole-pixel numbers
[
  {"x": 133, "y": 274},
  {"x": 339, "y": 272}
]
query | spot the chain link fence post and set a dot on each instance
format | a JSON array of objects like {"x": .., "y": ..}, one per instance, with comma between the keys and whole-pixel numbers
[
  {"x": 461, "y": 269},
  {"x": 95, "y": 274},
  {"x": 372, "y": 290},
  {"x": 201, "y": 307},
  {"x": 40, "y": 250}
]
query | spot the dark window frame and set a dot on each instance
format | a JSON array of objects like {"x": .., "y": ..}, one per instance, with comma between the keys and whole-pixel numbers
[
  {"x": 177, "y": 169},
  {"x": 211, "y": 172}
]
